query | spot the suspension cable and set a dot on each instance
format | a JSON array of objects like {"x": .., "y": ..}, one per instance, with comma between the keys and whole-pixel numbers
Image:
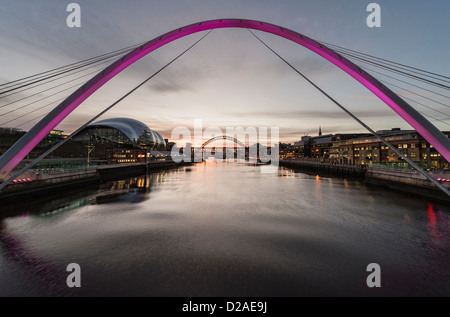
[
  {"x": 425, "y": 97},
  {"x": 29, "y": 104},
  {"x": 387, "y": 61},
  {"x": 53, "y": 87},
  {"x": 41, "y": 115},
  {"x": 62, "y": 69},
  {"x": 429, "y": 116},
  {"x": 405, "y": 82},
  {"x": 396, "y": 70},
  {"x": 46, "y": 80}
]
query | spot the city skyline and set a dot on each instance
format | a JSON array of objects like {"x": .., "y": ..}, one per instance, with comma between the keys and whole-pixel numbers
[{"x": 228, "y": 79}]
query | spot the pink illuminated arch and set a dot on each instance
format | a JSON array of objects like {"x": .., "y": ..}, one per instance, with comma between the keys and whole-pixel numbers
[{"x": 22, "y": 147}]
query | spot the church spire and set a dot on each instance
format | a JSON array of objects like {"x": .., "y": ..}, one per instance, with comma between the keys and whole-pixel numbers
[{"x": 320, "y": 130}]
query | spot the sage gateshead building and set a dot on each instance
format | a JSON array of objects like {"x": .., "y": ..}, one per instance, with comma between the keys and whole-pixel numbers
[{"x": 121, "y": 140}]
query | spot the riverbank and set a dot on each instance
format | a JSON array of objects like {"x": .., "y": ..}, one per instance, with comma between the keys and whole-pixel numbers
[
  {"x": 45, "y": 184},
  {"x": 410, "y": 182},
  {"x": 405, "y": 181}
]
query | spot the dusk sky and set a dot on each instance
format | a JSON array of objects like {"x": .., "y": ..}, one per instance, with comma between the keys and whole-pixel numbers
[{"x": 229, "y": 78}]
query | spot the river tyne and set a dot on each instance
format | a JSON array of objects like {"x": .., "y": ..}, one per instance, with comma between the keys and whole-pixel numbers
[{"x": 226, "y": 229}]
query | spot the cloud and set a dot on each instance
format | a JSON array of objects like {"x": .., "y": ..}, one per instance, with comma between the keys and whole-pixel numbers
[
  {"x": 168, "y": 86},
  {"x": 180, "y": 78},
  {"x": 338, "y": 114}
]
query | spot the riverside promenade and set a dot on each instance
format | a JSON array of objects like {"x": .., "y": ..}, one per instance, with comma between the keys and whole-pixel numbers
[
  {"x": 403, "y": 179},
  {"x": 32, "y": 184}
]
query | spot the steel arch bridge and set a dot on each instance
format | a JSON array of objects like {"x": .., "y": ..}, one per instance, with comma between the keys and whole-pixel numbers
[
  {"x": 223, "y": 137},
  {"x": 22, "y": 147}
]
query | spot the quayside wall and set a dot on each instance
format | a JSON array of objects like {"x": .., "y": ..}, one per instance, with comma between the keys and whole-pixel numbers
[
  {"x": 41, "y": 184},
  {"x": 408, "y": 181}
]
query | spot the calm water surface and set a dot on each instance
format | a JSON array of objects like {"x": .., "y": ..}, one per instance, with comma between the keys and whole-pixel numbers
[{"x": 226, "y": 229}]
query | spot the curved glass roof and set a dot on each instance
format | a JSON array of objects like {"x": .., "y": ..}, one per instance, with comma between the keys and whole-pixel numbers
[{"x": 137, "y": 131}]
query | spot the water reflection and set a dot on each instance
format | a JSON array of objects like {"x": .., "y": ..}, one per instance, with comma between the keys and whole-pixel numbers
[
  {"x": 286, "y": 172},
  {"x": 45, "y": 276},
  {"x": 436, "y": 227},
  {"x": 318, "y": 188},
  {"x": 133, "y": 190},
  {"x": 52, "y": 202}
]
